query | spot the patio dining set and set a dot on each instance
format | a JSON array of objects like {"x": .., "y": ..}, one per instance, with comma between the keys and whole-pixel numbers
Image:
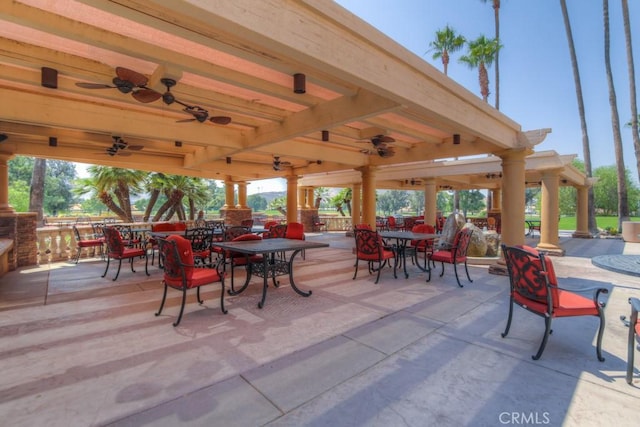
[{"x": 194, "y": 257}]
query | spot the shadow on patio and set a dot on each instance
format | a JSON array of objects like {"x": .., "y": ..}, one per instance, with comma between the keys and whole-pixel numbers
[{"x": 79, "y": 349}]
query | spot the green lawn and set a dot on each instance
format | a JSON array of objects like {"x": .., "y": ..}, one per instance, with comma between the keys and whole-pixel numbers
[{"x": 569, "y": 222}]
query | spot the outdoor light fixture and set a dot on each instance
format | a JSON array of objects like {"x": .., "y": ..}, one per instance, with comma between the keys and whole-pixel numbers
[
  {"x": 494, "y": 175},
  {"x": 53, "y": 141},
  {"x": 228, "y": 160},
  {"x": 178, "y": 143},
  {"x": 3, "y": 137},
  {"x": 49, "y": 77},
  {"x": 318, "y": 162},
  {"x": 456, "y": 139},
  {"x": 299, "y": 83},
  {"x": 325, "y": 135}
]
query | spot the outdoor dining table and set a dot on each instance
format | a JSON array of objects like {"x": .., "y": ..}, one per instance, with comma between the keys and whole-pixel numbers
[
  {"x": 402, "y": 239},
  {"x": 271, "y": 266}
]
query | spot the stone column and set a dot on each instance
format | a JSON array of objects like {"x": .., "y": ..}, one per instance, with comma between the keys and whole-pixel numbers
[
  {"x": 292, "y": 198},
  {"x": 550, "y": 211},
  {"x": 430, "y": 201},
  {"x": 513, "y": 196},
  {"x": 356, "y": 203},
  {"x": 582, "y": 212},
  {"x": 369, "y": 195},
  {"x": 5, "y": 207},
  {"x": 242, "y": 195},
  {"x": 310, "y": 200},
  {"x": 496, "y": 200},
  {"x": 229, "y": 195}
]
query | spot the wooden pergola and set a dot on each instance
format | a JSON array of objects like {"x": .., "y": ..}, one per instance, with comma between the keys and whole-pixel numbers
[{"x": 306, "y": 82}]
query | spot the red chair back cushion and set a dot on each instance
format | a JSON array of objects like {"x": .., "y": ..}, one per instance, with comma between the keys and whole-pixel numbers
[
  {"x": 184, "y": 252},
  {"x": 295, "y": 231}
]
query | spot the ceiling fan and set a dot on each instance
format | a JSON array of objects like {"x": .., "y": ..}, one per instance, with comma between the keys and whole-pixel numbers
[
  {"x": 121, "y": 147},
  {"x": 380, "y": 146},
  {"x": 278, "y": 164},
  {"x": 129, "y": 81}
]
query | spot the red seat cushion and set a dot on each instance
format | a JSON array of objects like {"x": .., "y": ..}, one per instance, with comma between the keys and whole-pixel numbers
[
  {"x": 374, "y": 257},
  {"x": 90, "y": 243}
]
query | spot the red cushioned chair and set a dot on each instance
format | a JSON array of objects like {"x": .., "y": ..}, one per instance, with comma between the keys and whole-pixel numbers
[
  {"x": 117, "y": 249},
  {"x": 278, "y": 231},
  {"x": 370, "y": 248},
  {"x": 456, "y": 254},
  {"x": 425, "y": 247},
  {"x": 392, "y": 225},
  {"x": 534, "y": 287},
  {"x": 295, "y": 231},
  {"x": 82, "y": 243},
  {"x": 634, "y": 336},
  {"x": 318, "y": 224},
  {"x": 180, "y": 272},
  {"x": 201, "y": 239}
]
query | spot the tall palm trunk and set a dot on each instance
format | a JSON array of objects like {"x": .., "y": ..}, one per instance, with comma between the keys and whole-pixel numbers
[
  {"x": 153, "y": 198},
  {"x": 591, "y": 215},
  {"x": 36, "y": 194},
  {"x": 483, "y": 76},
  {"x": 623, "y": 203},
  {"x": 496, "y": 17},
  {"x": 632, "y": 83},
  {"x": 107, "y": 200}
]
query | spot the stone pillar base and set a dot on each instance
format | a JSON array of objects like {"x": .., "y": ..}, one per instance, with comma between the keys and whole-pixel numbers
[
  {"x": 581, "y": 235},
  {"x": 234, "y": 216},
  {"x": 550, "y": 249}
]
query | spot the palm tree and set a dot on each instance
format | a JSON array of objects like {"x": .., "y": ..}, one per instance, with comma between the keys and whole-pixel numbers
[
  {"x": 36, "y": 194},
  {"x": 481, "y": 53},
  {"x": 591, "y": 216},
  {"x": 623, "y": 202},
  {"x": 632, "y": 83},
  {"x": 108, "y": 182},
  {"x": 496, "y": 18},
  {"x": 446, "y": 42},
  {"x": 154, "y": 185}
]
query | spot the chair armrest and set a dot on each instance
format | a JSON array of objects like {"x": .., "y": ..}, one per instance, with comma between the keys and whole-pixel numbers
[
  {"x": 596, "y": 294},
  {"x": 635, "y": 305}
]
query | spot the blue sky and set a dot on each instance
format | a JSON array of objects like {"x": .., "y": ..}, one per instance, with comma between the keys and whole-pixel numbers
[{"x": 536, "y": 81}]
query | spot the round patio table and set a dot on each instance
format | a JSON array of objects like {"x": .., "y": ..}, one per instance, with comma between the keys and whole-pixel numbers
[{"x": 625, "y": 264}]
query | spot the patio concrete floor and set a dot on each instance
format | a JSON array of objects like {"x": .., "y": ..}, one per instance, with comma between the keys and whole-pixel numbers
[{"x": 79, "y": 350}]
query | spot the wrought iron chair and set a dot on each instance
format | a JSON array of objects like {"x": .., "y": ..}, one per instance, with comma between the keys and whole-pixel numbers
[
  {"x": 201, "y": 240},
  {"x": 392, "y": 224},
  {"x": 370, "y": 248},
  {"x": 117, "y": 249},
  {"x": 82, "y": 243},
  {"x": 181, "y": 273},
  {"x": 456, "y": 254},
  {"x": 425, "y": 247},
  {"x": 318, "y": 224},
  {"x": 534, "y": 287},
  {"x": 634, "y": 336},
  {"x": 295, "y": 231}
]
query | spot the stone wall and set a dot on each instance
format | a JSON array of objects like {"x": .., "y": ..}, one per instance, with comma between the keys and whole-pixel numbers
[
  {"x": 234, "y": 216},
  {"x": 8, "y": 230},
  {"x": 27, "y": 239}
]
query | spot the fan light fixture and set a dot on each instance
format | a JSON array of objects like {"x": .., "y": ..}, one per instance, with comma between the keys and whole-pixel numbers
[
  {"x": 456, "y": 139},
  {"x": 494, "y": 175},
  {"x": 325, "y": 135},
  {"x": 299, "y": 83},
  {"x": 53, "y": 141},
  {"x": 3, "y": 137},
  {"x": 276, "y": 163}
]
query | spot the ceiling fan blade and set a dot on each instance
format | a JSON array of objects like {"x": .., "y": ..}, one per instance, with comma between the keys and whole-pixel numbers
[
  {"x": 220, "y": 120},
  {"x": 146, "y": 95},
  {"x": 87, "y": 85},
  {"x": 131, "y": 76},
  {"x": 385, "y": 138},
  {"x": 135, "y": 147},
  {"x": 124, "y": 153}
]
